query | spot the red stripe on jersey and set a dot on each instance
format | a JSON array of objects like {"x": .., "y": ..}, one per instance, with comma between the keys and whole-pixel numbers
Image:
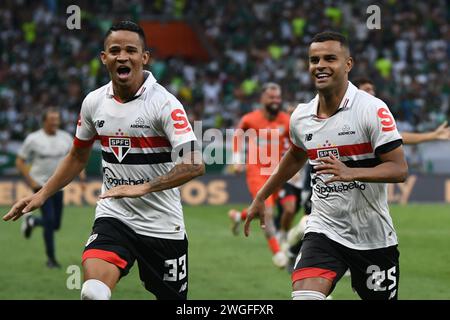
[
  {"x": 305, "y": 273},
  {"x": 344, "y": 151},
  {"x": 83, "y": 143},
  {"x": 108, "y": 256},
  {"x": 141, "y": 142}
]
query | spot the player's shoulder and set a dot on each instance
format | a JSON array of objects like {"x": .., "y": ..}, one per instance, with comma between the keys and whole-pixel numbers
[
  {"x": 251, "y": 116},
  {"x": 303, "y": 109},
  {"x": 284, "y": 116},
  {"x": 160, "y": 96},
  {"x": 366, "y": 102},
  {"x": 34, "y": 136},
  {"x": 95, "y": 96}
]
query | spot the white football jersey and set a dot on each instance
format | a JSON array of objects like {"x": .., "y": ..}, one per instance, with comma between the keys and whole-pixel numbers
[
  {"x": 44, "y": 152},
  {"x": 355, "y": 214},
  {"x": 137, "y": 138}
]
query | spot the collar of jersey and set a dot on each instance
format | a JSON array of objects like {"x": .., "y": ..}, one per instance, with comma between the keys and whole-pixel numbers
[
  {"x": 346, "y": 101},
  {"x": 149, "y": 81}
]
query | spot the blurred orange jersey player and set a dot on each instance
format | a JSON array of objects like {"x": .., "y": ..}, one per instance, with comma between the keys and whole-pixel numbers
[
  {"x": 265, "y": 146},
  {"x": 267, "y": 133}
]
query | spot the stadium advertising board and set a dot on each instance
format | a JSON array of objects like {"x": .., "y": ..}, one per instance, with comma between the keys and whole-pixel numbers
[{"x": 219, "y": 189}]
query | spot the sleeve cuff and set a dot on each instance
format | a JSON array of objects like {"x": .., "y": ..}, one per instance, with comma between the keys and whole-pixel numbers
[
  {"x": 384, "y": 148},
  {"x": 83, "y": 143},
  {"x": 293, "y": 145}
]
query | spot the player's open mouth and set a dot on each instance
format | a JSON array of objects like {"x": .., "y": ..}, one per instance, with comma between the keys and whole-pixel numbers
[
  {"x": 322, "y": 76},
  {"x": 123, "y": 72}
]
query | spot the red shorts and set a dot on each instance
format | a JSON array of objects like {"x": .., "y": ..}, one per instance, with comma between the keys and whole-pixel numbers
[{"x": 255, "y": 183}]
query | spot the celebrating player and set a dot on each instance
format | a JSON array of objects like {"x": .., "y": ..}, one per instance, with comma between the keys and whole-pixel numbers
[
  {"x": 143, "y": 129},
  {"x": 268, "y": 117},
  {"x": 410, "y": 138},
  {"x": 354, "y": 148}
]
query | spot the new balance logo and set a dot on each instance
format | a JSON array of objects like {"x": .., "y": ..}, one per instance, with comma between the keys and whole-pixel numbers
[
  {"x": 99, "y": 123},
  {"x": 183, "y": 287},
  {"x": 91, "y": 239},
  {"x": 308, "y": 137}
]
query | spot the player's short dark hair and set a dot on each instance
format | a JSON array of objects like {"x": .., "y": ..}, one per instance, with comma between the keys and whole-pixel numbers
[
  {"x": 331, "y": 36},
  {"x": 128, "y": 26},
  {"x": 360, "y": 81},
  {"x": 47, "y": 111}
]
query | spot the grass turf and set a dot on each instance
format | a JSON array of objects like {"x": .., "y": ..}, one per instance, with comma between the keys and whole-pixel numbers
[{"x": 222, "y": 266}]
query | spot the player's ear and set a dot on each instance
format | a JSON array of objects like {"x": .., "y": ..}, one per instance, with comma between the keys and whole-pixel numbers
[
  {"x": 349, "y": 64},
  {"x": 146, "y": 57},
  {"x": 103, "y": 57}
]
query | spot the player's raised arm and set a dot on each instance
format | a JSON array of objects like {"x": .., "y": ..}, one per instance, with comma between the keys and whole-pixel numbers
[
  {"x": 290, "y": 164},
  {"x": 440, "y": 133},
  {"x": 67, "y": 170}
]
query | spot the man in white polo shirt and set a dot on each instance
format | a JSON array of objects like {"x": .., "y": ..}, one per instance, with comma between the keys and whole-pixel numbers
[
  {"x": 37, "y": 160},
  {"x": 148, "y": 149},
  {"x": 353, "y": 146}
]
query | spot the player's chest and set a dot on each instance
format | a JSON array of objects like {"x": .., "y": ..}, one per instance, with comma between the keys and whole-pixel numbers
[
  {"x": 130, "y": 124},
  {"x": 270, "y": 128},
  {"x": 322, "y": 137},
  {"x": 51, "y": 147}
]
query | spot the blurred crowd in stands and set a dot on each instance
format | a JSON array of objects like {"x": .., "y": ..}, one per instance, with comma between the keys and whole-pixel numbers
[{"x": 42, "y": 63}]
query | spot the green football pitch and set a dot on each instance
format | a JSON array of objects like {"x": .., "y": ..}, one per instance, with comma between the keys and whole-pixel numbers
[{"x": 222, "y": 266}]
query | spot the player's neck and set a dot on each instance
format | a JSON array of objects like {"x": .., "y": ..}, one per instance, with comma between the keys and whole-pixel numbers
[
  {"x": 49, "y": 132},
  {"x": 329, "y": 101},
  {"x": 127, "y": 92},
  {"x": 268, "y": 115}
]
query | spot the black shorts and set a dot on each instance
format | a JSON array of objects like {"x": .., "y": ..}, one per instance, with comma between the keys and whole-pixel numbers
[
  {"x": 289, "y": 193},
  {"x": 375, "y": 273},
  {"x": 163, "y": 263}
]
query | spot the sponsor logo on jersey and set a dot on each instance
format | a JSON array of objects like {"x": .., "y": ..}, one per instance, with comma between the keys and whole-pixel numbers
[
  {"x": 322, "y": 153},
  {"x": 140, "y": 123},
  {"x": 323, "y": 190},
  {"x": 346, "y": 131},
  {"x": 181, "y": 123},
  {"x": 120, "y": 147},
  {"x": 386, "y": 119},
  {"x": 110, "y": 179},
  {"x": 308, "y": 137}
]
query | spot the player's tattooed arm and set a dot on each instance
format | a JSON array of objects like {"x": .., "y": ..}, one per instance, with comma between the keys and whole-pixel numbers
[{"x": 188, "y": 167}]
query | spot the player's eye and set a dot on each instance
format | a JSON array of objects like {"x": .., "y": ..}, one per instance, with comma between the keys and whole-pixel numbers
[{"x": 314, "y": 60}]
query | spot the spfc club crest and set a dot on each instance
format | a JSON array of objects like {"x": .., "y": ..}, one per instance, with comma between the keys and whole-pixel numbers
[{"x": 120, "y": 147}]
